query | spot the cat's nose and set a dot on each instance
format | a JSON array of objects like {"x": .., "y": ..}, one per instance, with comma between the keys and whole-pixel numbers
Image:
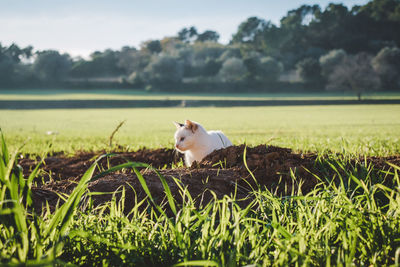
[{"x": 176, "y": 145}]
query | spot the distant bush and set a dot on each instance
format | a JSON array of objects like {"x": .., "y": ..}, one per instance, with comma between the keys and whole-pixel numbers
[
  {"x": 232, "y": 70},
  {"x": 51, "y": 66},
  {"x": 164, "y": 71},
  {"x": 270, "y": 69},
  {"x": 387, "y": 64},
  {"x": 309, "y": 70},
  {"x": 330, "y": 60},
  {"x": 354, "y": 73}
]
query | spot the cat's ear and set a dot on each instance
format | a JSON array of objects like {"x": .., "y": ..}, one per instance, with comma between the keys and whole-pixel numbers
[
  {"x": 177, "y": 124},
  {"x": 191, "y": 125}
]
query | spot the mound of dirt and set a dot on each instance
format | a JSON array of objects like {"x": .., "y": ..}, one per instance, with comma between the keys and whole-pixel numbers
[
  {"x": 270, "y": 166},
  {"x": 61, "y": 167},
  {"x": 232, "y": 171}
]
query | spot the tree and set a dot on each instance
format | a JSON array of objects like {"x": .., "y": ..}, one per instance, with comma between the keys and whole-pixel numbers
[
  {"x": 125, "y": 59},
  {"x": 164, "y": 71},
  {"x": 386, "y": 10},
  {"x": 136, "y": 80},
  {"x": 387, "y": 64},
  {"x": 309, "y": 71},
  {"x": 7, "y": 66},
  {"x": 232, "y": 70},
  {"x": 51, "y": 66},
  {"x": 202, "y": 51},
  {"x": 152, "y": 46},
  {"x": 17, "y": 53},
  {"x": 294, "y": 28},
  {"x": 201, "y": 58},
  {"x": 230, "y": 52},
  {"x": 211, "y": 67},
  {"x": 249, "y": 30},
  {"x": 132, "y": 60},
  {"x": 309, "y": 31},
  {"x": 191, "y": 35},
  {"x": 188, "y": 35},
  {"x": 270, "y": 69},
  {"x": 101, "y": 64},
  {"x": 354, "y": 73},
  {"x": 265, "y": 69},
  {"x": 330, "y": 60},
  {"x": 334, "y": 28},
  {"x": 169, "y": 44},
  {"x": 378, "y": 23},
  {"x": 253, "y": 64},
  {"x": 208, "y": 36},
  {"x": 302, "y": 16},
  {"x": 271, "y": 40},
  {"x": 12, "y": 70}
]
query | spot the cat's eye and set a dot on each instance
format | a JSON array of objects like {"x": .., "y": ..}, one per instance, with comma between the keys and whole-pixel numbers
[{"x": 182, "y": 138}]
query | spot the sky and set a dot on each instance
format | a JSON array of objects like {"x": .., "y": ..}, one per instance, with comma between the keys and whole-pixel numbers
[{"x": 80, "y": 27}]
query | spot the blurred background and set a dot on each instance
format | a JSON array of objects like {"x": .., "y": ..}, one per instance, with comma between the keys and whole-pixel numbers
[{"x": 203, "y": 47}]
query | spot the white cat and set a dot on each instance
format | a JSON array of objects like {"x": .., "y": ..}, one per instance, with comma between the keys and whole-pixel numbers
[{"x": 196, "y": 143}]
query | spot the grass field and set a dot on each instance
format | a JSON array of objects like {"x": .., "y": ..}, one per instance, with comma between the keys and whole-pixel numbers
[
  {"x": 358, "y": 130},
  {"x": 351, "y": 218}
]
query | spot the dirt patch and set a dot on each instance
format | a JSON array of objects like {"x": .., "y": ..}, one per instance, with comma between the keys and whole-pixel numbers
[
  {"x": 61, "y": 167},
  {"x": 271, "y": 166},
  {"x": 223, "y": 172}
]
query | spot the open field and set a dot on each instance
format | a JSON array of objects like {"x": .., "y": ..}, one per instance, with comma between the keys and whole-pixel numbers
[
  {"x": 263, "y": 206},
  {"x": 361, "y": 129},
  {"x": 276, "y": 208}
]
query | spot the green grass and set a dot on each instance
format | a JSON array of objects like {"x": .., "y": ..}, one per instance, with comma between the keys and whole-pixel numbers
[
  {"x": 352, "y": 218},
  {"x": 357, "y": 130},
  {"x": 113, "y": 94}
]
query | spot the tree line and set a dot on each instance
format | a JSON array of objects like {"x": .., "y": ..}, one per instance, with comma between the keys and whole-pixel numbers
[{"x": 312, "y": 49}]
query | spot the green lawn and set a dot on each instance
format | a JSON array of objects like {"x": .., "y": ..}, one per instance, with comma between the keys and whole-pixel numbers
[{"x": 361, "y": 129}]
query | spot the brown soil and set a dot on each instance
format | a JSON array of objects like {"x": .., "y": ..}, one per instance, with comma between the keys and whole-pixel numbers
[{"x": 222, "y": 172}]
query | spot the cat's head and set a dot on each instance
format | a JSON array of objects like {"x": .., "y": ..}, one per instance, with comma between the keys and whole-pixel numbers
[{"x": 185, "y": 135}]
